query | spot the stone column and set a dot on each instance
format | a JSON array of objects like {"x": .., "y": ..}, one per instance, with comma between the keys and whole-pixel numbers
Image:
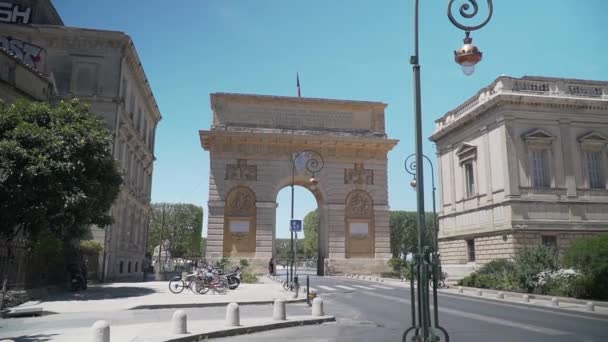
[
  {"x": 487, "y": 161},
  {"x": 568, "y": 160},
  {"x": 511, "y": 177},
  {"x": 382, "y": 237},
  {"x": 215, "y": 230},
  {"x": 265, "y": 226},
  {"x": 337, "y": 231}
]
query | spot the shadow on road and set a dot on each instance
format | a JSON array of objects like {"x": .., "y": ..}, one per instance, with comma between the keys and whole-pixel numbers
[
  {"x": 96, "y": 293},
  {"x": 32, "y": 338}
]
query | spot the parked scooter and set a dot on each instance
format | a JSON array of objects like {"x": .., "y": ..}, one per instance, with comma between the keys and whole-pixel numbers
[{"x": 234, "y": 278}]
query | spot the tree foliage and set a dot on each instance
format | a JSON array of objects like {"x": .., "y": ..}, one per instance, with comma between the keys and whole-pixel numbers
[
  {"x": 311, "y": 235},
  {"x": 181, "y": 226},
  {"x": 57, "y": 173},
  {"x": 404, "y": 231}
]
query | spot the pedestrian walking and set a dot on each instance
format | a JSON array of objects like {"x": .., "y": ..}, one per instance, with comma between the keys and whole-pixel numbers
[{"x": 271, "y": 266}]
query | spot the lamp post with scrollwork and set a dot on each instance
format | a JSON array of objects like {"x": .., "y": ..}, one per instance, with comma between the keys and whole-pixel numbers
[
  {"x": 314, "y": 163},
  {"x": 467, "y": 56}
]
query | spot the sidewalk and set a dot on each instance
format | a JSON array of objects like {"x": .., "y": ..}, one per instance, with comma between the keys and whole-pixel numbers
[
  {"x": 198, "y": 330},
  {"x": 149, "y": 295}
]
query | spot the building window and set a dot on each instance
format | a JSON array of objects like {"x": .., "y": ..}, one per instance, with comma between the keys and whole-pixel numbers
[
  {"x": 129, "y": 267},
  {"x": 121, "y": 267},
  {"x": 540, "y": 168},
  {"x": 471, "y": 250},
  {"x": 549, "y": 241},
  {"x": 469, "y": 177},
  {"x": 136, "y": 264},
  {"x": 594, "y": 169}
]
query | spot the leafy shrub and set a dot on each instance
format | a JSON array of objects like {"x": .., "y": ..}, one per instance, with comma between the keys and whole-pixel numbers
[
  {"x": 498, "y": 266},
  {"x": 243, "y": 263},
  {"x": 248, "y": 278},
  {"x": 90, "y": 246},
  {"x": 589, "y": 256},
  {"x": 401, "y": 268},
  {"x": 222, "y": 263},
  {"x": 531, "y": 262}
]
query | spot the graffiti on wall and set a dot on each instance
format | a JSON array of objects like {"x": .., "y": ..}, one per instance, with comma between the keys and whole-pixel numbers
[
  {"x": 30, "y": 54},
  {"x": 11, "y": 13}
]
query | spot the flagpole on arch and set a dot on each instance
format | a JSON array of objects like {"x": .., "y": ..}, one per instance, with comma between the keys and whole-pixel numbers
[{"x": 298, "y": 84}]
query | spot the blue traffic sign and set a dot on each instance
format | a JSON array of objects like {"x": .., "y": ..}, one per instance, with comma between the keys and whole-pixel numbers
[{"x": 295, "y": 225}]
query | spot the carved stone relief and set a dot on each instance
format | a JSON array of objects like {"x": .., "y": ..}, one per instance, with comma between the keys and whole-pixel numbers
[
  {"x": 241, "y": 171},
  {"x": 359, "y": 205},
  {"x": 359, "y": 175},
  {"x": 240, "y": 202}
]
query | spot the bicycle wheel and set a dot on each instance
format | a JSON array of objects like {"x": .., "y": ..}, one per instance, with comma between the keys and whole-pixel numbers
[
  {"x": 285, "y": 286},
  {"x": 221, "y": 286},
  {"x": 176, "y": 285},
  {"x": 202, "y": 286}
]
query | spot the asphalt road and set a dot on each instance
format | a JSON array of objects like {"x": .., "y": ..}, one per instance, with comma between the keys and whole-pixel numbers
[{"x": 382, "y": 314}]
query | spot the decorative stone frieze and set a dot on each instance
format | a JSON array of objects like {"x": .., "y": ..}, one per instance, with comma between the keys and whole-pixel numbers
[
  {"x": 359, "y": 175},
  {"x": 241, "y": 171}
]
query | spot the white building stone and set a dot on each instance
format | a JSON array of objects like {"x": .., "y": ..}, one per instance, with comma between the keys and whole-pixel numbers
[
  {"x": 101, "y": 68},
  {"x": 522, "y": 163}
]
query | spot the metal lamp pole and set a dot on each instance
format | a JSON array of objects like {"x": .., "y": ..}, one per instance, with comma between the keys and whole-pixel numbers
[
  {"x": 314, "y": 164},
  {"x": 425, "y": 256}
]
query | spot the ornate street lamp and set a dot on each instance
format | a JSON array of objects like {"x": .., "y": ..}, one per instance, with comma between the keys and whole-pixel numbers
[
  {"x": 467, "y": 56},
  {"x": 314, "y": 163}
]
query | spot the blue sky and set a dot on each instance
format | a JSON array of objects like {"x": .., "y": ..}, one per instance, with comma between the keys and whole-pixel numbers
[{"x": 345, "y": 49}]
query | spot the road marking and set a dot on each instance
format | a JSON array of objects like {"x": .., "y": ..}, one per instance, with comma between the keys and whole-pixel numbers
[
  {"x": 483, "y": 318},
  {"x": 346, "y": 287},
  {"x": 327, "y": 288},
  {"x": 364, "y": 287},
  {"x": 383, "y": 287}
]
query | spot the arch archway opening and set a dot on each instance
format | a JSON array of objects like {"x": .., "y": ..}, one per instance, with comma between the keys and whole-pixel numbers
[{"x": 307, "y": 244}]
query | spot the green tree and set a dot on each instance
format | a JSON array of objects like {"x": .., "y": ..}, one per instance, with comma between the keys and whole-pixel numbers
[
  {"x": 203, "y": 246},
  {"x": 311, "y": 234},
  {"x": 181, "y": 225},
  {"x": 404, "y": 231},
  {"x": 57, "y": 173}
]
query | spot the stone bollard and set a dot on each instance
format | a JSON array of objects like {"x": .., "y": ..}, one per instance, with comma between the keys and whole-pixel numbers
[
  {"x": 526, "y": 299},
  {"x": 590, "y": 306},
  {"x": 460, "y": 290},
  {"x": 377, "y": 279},
  {"x": 500, "y": 295},
  {"x": 278, "y": 312},
  {"x": 232, "y": 315},
  {"x": 179, "y": 323},
  {"x": 554, "y": 302},
  {"x": 382, "y": 280},
  {"x": 101, "y": 331},
  {"x": 296, "y": 291},
  {"x": 317, "y": 307},
  {"x": 479, "y": 293}
]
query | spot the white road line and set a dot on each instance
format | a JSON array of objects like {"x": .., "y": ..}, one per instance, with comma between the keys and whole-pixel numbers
[
  {"x": 483, "y": 318},
  {"x": 346, "y": 287},
  {"x": 327, "y": 288},
  {"x": 363, "y": 287},
  {"x": 383, "y": 287}
]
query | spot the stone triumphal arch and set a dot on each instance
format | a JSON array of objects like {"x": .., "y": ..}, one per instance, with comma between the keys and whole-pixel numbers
[{"x": 252, "y": 143}]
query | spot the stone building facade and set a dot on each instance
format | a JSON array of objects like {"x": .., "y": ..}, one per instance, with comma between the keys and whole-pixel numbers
[
  {"x": 253, "y": 142},
  {"x": 101, "y": 68},
  {"x": 522, "y": 163},
  {"x": 19, "y": 80}
]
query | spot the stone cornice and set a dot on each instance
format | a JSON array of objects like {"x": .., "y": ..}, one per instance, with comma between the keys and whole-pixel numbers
[
  {"x": 300, "y": 100},
  {"x": 91, "y": 41},
  {"x": 209, "y": 137},
  {"x": 528, "y": 91}
]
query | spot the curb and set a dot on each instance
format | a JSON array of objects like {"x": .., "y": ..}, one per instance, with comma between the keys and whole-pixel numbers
[
  {"x": 586, "y": 314},
  {"x": 568, "y": 300},
  {"x": 248, "y": 330},
  {"x": 210, "y": 305}
]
